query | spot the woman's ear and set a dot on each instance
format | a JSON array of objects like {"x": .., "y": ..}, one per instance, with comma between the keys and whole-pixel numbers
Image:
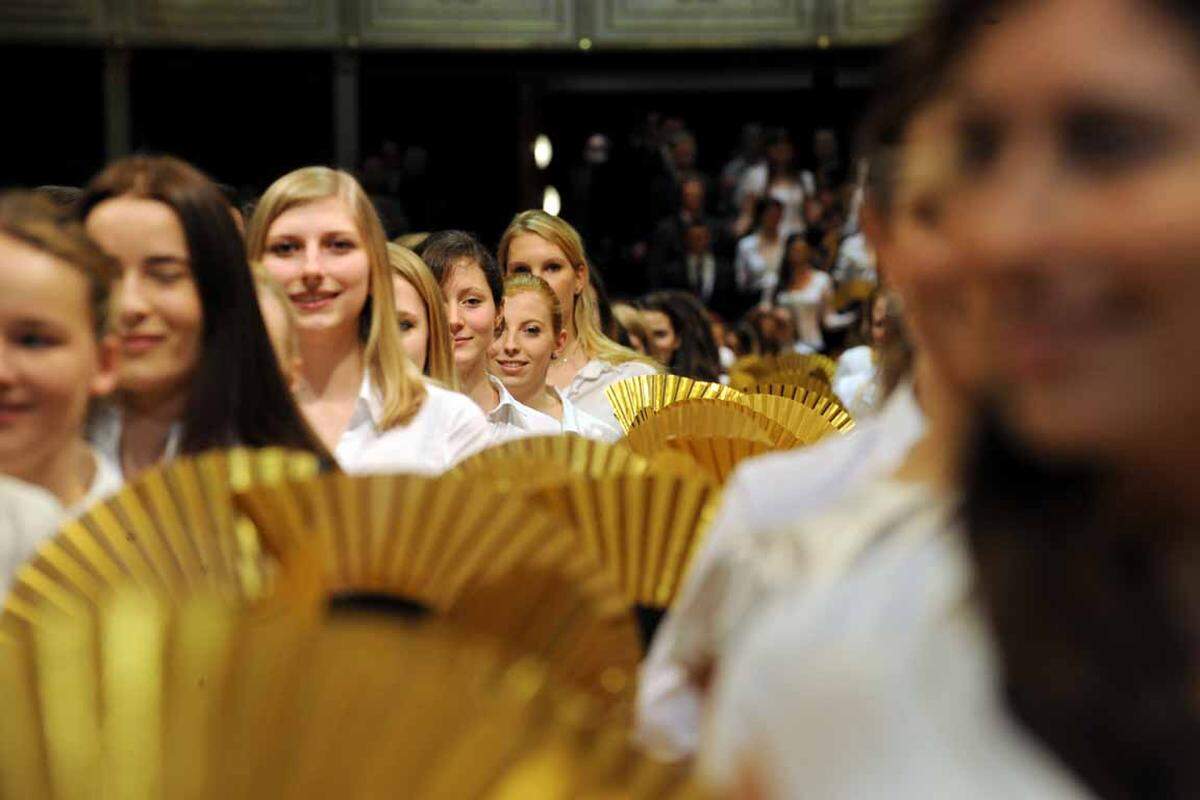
[
  {"x": 560, "y": 344},
  {"x": 108, "y": 366},
  {"x": 583, "y": 276}
]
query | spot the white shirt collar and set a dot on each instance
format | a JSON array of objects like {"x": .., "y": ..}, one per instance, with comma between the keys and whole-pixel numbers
[
  {"x": 511, "y": 419},
  {"x": 575, "y": 420}
]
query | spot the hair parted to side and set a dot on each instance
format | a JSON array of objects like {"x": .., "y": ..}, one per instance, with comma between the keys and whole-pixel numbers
[
  {"x": 36, "y": 221},
  {"x": 237, "y": 394},
  {"x": 393, "y": 376},
  {"x": 439, "y": 352},
  {"x": 517, "y": 284},
  {"x": 586, "y": 312},
  {"x": 444, "y": 250}
]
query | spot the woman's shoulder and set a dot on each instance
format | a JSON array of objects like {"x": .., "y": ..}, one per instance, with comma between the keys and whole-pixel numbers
[{"x": 447, "y": 403}]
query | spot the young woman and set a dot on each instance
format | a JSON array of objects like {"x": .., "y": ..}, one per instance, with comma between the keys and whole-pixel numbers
[
  {"x": 532, "y": 337},
  {"x": 421, "y": 313},
  {"x": 543, "y": 245},
  {"x": 197, "y": 367},
  {"x": 680, "y": 335},
  {"x": 630, "y": 320},
  {"x": 56, "y": 354},
  {"x": 867, "y": 373},
  {"x": 317, "y": 234},
  {"x": 779, "y": 179},
  {"x": 760, "y": 254},
  {"x": 471, "y": 283},
  {"x": 807, "y": 293}
]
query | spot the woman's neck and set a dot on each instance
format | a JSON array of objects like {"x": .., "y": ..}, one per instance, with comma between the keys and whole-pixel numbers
[
  {"x": 768, "y": 234},
  {"x": 332, "y": 364},
  {"x": 478, "y": 386},
  {"x": 564, "y": 369},
  {"x": 543, "y": 399},
  {"x": 937, "y": 458},
  {"x": 67, "y": 474},
  {"x": 146, "y": 424}
]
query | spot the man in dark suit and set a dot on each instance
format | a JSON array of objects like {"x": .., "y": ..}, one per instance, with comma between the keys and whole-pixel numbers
[{"x": 703, "y": 273}]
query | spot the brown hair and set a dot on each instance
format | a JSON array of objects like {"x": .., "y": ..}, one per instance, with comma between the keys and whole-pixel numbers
[{"x": 36, "y": 221}]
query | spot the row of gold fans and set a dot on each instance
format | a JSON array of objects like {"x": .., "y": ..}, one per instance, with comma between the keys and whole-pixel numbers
[
  {"x": 717, "y": 426},
  {"x": 548, "y": 569},
  {"x": 809, "y": 371}
]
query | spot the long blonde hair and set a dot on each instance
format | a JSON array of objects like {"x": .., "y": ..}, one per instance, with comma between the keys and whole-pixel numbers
[
  {"x": 586, "y": 312},
  {"x": 439, "y": 355},
  {"x": 392, "y": 374}
]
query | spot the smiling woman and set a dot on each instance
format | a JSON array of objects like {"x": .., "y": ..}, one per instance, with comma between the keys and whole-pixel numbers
[
  {"x": 55, "y": 353},
  {"x": 317, "y": 234},
  {"x": 184, "y": 302}
]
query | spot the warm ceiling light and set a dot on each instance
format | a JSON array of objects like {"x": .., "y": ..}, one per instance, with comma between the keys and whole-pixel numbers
[
  {"x": 543, "y": 152},
  {"x": 551, "y": 202}
]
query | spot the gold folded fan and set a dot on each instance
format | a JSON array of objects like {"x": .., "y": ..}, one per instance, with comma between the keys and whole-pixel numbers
[
  {"x": 198, "y": 700},
  {"x": 690, "y": 418},
  {"x": 467, "y": 549},
  {"x": 718, "y": 456},
  {"x": 172, "y": 531},
  {"x": 654, "y": 392},
  {"x": 569, "y": 454},
  {"x": 643, "y": 529},
  {"x": 793, "y": 391},
  {"x": 809, "y": 418}
]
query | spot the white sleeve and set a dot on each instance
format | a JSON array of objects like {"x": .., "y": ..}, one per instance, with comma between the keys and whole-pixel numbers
[
  {"x": 668, "y": 703},
  {"x": 467, "y": 430}
]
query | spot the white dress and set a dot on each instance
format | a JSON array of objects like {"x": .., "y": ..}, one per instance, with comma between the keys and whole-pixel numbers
[
  {"x": 807, "y": 307},
  {"x": 587, "y": 389},
  {"x": 447, "y": 428},
  {"x": 29, "y": 515},
  {"x": 791, "y": 195},
  {"x": 881, "y": 684},
  {"x": 855, "y": 260},
  {"x": 764, "y": 495},
  {"x": 755, "y": 272}
]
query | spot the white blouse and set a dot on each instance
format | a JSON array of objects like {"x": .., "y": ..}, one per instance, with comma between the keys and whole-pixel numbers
[
  {"x": 587, "y": 389},
  {"x": 764, "y": 495},
  {"x": 754, "y": 271},
  {"x": 577, "y": 421},
  {"x": 29, "y": 515},
  {"x": 856, "y": 381},
  {"x": 447, "y": 428},
  {"x": 807, "y": 307},
  {"x": 883, "y": 684}
]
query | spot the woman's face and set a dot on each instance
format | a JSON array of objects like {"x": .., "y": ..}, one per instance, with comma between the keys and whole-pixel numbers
[
  {"x": 157, "y": 309},
  {"x": 413, "y": 319},
  {"x": 663, "y": 340},
  {"x": 528, "y": 252},
  {"x": 471, "y": 312},
  {"x": 1080, "y": 191},
  {"x": 799, "y": 255},
  {"x": 315, "y": 252},
  {"x": 523, "y": 350},
  {"x": 51, "y": 364},
  {"x": 771, "y": 217}
]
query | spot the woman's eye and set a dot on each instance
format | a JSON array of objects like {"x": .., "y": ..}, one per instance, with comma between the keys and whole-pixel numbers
[
  {"x": 979, "y": 144},
  {"x": 553, "y": 267},
  {"x": 1105, "y": 141},
  {"x": 406, "y": 325},
  {"x": 36, "y": 341},
  {"x": 521, "y": 270},
  {"x": 342, "y": 245},
  {"x": 473, "y": 302},
  {"x": 533, "y": 330},
  {"x": 283, "y": 248},
  {"x": 165, "y": 276}
]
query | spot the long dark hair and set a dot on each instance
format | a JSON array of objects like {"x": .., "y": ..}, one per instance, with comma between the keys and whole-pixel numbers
[
  {"x": 787, "y": 271},
  {"x": 1076, "y": 586},
  {"x": 237, "y": 394},
  {"x": 697, "y": 356}
]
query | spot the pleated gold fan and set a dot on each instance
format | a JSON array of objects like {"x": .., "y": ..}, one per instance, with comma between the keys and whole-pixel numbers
[
  {"x": 810, "y": 385},
  {"x": 195, "y": 701},
  {"x": 465, "y": 549},
  {"x": 801, "y": 363},
  {"x": 569, "y": 454},
  {"x": 718, "y": 455},
  {"x": 656, "y": 392},
  {"x": 172, "y": 531},
  {"x": 809, "y": 419},
  {"x": 644, "y": 529},
  {"x": 706, "y": 418},
  {"x": 855, "y": 291}
]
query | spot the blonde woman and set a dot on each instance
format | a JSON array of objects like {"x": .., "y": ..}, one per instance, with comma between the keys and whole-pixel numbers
[
  {"x": 530, "y": 340},
  {"x": 543, "y": 245},
  {"x": 421, "y": 315},
  {"x": 317, "y": 234}
]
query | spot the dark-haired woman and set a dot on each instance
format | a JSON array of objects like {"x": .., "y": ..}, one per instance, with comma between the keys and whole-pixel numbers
[
  {"x": 680, "y": 336},
  {"x": 807, "y": 293},
  {"x": 1055, "y": 655},
  {"x": 197, "y": 367},
  {"x": 760, "y": 254}
]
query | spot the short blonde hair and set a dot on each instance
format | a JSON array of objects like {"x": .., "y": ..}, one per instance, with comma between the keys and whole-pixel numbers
[
  {"x": 586, "y": 312},
  {"x": 439, "y": 352},
  {"x": 393, "y": 375},
  {"x": 524, "y": 282}
]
